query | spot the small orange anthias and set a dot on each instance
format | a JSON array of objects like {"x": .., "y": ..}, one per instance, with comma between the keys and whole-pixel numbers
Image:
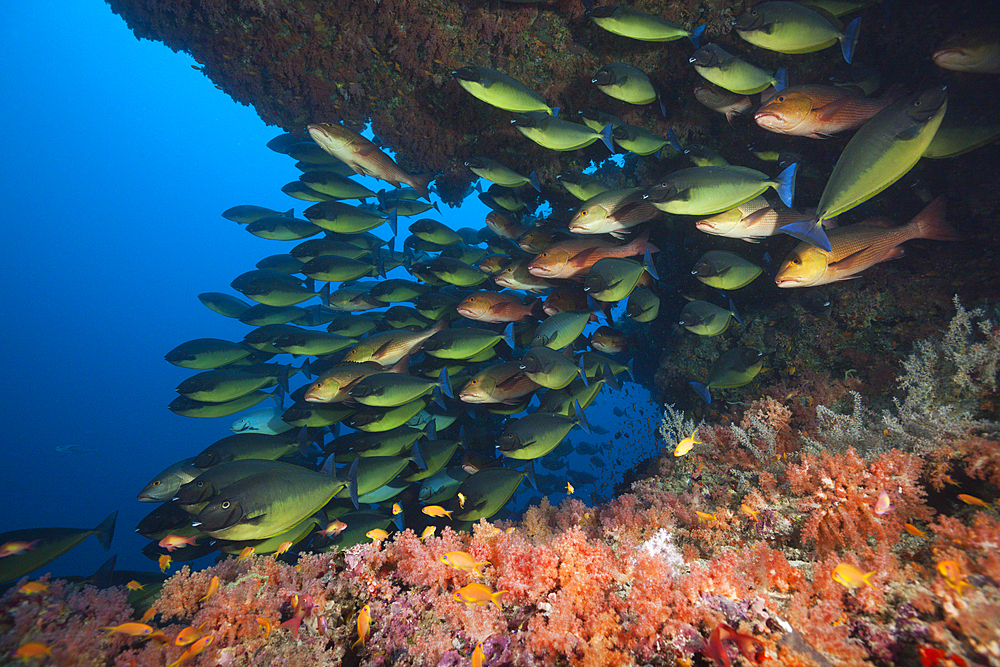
[
  {"x": 751, "y": 647},
  {"x": 953, "y": 574},
  {"x": 302, "y": 604}
]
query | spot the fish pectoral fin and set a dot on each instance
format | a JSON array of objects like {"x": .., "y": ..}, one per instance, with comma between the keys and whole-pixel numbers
[
  {"x": 827, "y": 112},
  {"x": 497, "y": 307},
  {"x": 910, "y": 132},
  {"x": 893, "y": 253},
  {"x": 756, "y": 217},
  {"x": 847, "y": 264}
]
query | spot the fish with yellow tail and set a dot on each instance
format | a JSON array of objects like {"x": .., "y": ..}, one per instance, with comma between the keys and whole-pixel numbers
[
  {"x": 687, "y": 444},
  {"x": 364, "y": 626},
  {"x": 878, "y": 155},
  {"x": 858, "y": 247},
  {"x": 364, "y": 157},
  {"x": 851, "y": 577},
  {"x": 478, "y": 594},
  {"x": 462, "y": 560}
]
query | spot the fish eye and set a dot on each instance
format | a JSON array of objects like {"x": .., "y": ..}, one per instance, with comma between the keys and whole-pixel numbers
[
  {"x": 156, "y": 483},
  {"x": 225, "y": 504},
  {"x": 780, "y": 98},
  {"x": 583, "y": 212}
]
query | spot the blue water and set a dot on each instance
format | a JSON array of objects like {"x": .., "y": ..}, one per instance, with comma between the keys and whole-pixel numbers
[{"x": 118, "y": 159}]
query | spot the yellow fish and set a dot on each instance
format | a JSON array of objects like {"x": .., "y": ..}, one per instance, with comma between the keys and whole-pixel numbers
[
  {"x": 462, "y": 560},
  {"x": 364, "y": 626},
  {"x": 130, "y": 629},
  {"x": 32, "y": 587},
  {"x": 245, "y": 554},
  {"x": 134, "y": 585},
  {"x": 150, "y": 613},
  {"x": 189, "y": 635},
  {"x": 436, "y": 511},
  {"x": 913, "y": 530},
  {"x": 851, "y": 577},
  {"x": 33, "y": 650},
  {"x": 569, "y": 488},
  {"x": 685, "y": 445},
  {"x": 478, "y": 594},
  {"x": 706, "y": 516},
  {"x": 428, "y": 531},
  {"x": 164, "y": 562},
  {"x": 213, "y": 586},
  {"x": 396, "y": 509},
  {"x": 377, "y": 534},
  {"x": 264, "y": 624},
  {"x": 282, "y": 548},
  {"x": 478, "y": 656},
  {"x": 193, "y": 650}
]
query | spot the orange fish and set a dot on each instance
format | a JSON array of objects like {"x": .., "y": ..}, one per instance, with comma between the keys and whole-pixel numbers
[
  {"x": 189, "y": 635},
  {"x": 705, "y": 516},
  {"x": 687, "y": 444},
  {"x": 303, "y": 606},
  {"x": 159, "y": 637},
  {"x": 883, "y": 504},
  {"x": 952, "y": 573},
  {"x": 32, "y": 588},
  {"x": 173, "y": 542},
  {"x": 193, "y": 650},
  {"x": 478, "y": 656},
  {"x": 364, "y": 626},
  {"x": 213, "y": 586},
  {"x": 150, "y": 613},
  {"x": 569, "y": 489},
  {"x": 364, "y": 157},
  {"x": 972, "y": 500},
  {"x": 820, "y": 111},
  {"x": 396, "y": 509},
  {"x": 857, "y": 247},
  {"x": 428, "y": 531},
  {"x": 377, "y": 534},
  {"x": 496, "y": 307},
  {"x": 14, "y": 548},
  {"x": 751, "y": 647},
  {"x": 333, "y": 529},
  {"x": 913, "y": 530},
  {"x": 574, "y": 258},
  {"x": 851, "y": 577},
  {"x": 461, "y": 560},
  {"x": 478, "y": 594},
  {"x": 164, "y": 562},
  {"x": 436, "y": 511},
  {"x": 282, "y": 548},
  {"x": 752, "y": 513},
  {"x": 134, "y": 585},
  {"x": 33, "y": 650},
  {"x": 130, "y": 629},
  {"x": 264, "y": 624},
  {"x": 461, "y": 500}
]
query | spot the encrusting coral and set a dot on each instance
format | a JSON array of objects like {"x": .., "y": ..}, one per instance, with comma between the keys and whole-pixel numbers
[{"x": 751, "y": 546}]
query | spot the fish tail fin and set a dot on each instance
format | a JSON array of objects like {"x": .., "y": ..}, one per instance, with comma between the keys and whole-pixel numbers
[
  {"x": 810, "y": 231},
  {"x": 581, "y": 418},
  {"x": 420, "y": 183},
  {"x": 673, "y": 141},
  {"x": 105, "y": 530},
  {"x": 533, "y": 179},
  {"x": 393, "y": 222},
  {"x": 446, "y": 383},
  {"x": 786, "y": 184},
  {"x": 508, "y": 336},
  {"x": 418, "y": 457},
  {"x": 736, "y": 315},
  {"x": 610, "y": 378},
  {"x": 695, "y": 36},
  {"x": 866, "y": 578},
  {"x": 495, "y": 599},
  {"x": 555, "y": 112},
  {"x": 780, "y": 79},
  {"x": 663, "y": 107},
  {"x": 930, "y": 223},
  {"x": 702, "y": 391},
  {"x": 606, "y": 137},
  {"x": 849, "y": 40},
  {"x": 353, "y": 483},
  {"x": 647, "y": 261}
]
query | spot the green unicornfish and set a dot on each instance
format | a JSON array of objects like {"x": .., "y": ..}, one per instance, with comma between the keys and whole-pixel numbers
[{"x": 500, "y": 90}]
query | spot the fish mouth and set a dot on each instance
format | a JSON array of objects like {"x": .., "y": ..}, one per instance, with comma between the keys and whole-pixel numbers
[
  {"x": 540, "y": 270},
  {"x": 467, "y": 312},
  {"x": 787, "y": 282}
]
